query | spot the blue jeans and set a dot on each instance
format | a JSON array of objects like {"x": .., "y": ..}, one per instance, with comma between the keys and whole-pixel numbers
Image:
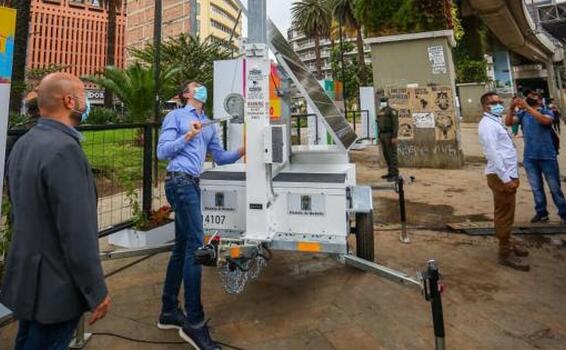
[
  {"x": 536, "y": 168},
  {"x": 34, "y": 335},
  {"x": 184, "y": 196}
]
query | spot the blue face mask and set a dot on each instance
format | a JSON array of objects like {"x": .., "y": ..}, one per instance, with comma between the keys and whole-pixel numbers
[
  {"x": 84, "y": 114},
  {"x": 200, "y": 94},
  {"x": 497, "y": 109}
]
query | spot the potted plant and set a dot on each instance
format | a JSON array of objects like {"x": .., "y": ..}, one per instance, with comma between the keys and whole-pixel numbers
[{"x": 148, "y": 229}]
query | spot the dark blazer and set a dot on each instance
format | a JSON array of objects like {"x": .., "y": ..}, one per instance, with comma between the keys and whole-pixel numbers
[{"x": 53, "y": 272}]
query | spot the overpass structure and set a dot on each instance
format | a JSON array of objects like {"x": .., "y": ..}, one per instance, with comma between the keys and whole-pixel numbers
[{"x": 513, "y": 25}]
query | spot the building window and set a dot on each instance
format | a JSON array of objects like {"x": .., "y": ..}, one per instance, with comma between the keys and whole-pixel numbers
[
  {"x": 232, "y": 4},
  {"x": 222, "y": 13},
  {"x": 221, "y": 27}
]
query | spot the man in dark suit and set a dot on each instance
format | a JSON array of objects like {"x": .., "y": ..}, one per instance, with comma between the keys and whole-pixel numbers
[{"x": 53, "y": 273}]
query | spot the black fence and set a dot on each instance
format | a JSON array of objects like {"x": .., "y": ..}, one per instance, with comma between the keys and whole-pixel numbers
[{"x": 299, "y": 125}]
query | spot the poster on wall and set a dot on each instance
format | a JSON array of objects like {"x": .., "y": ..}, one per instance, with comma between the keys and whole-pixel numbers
[
  {"x": 442, "y": 98},
  {"x": 406, "y": 131},
  {"x": 7, "y": 33},
  {"x": 445, "y": 126},
  {"x": 423, "y": 120},
  {"x": 421, "y": 100},
  {"x": 436, "y": 58},
  {"x": 399, "y": 97}
]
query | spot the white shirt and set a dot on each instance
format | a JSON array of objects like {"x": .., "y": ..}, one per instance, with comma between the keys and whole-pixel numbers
[{"x": 498, "y": 148}]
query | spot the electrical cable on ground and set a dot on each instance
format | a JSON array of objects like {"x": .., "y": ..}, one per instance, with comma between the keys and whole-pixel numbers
[{"x": 160, "y": 342}]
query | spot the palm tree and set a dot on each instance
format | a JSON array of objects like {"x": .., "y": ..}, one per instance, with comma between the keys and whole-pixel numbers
[
  {"x": 23, "y": 18},
  {"x": 344, "y": 12},
  {"x": 134, "y": 87},
  {"x": 112, "y": 7},
  {"x": 314, "y": 19}
]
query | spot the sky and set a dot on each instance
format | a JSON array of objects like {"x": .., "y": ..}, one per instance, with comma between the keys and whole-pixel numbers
[{"x": 280, "y": 13}]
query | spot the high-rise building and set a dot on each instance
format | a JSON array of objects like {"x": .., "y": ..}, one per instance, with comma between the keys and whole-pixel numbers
[
  {"x": 304, "y": 47},
  {"x": 215, "y": 18},
  {"x": 72, "y": 34}
]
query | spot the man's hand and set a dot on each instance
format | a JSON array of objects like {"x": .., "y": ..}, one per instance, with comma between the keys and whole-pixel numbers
[
  {"x": 512, "y": 185},
  {"x": 196, "y": 128},
  {"x": 521, "y": 103},
  {"x": 242, "y": 151},
  {"x": 394, "y": 141},
  {"x": 100, "y": 311}
]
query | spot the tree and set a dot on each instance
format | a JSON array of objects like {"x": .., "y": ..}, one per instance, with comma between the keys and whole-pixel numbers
[
  {"x": 112, "y": 7},
  {"x": 348, "y": 76},
  {"x": 23, "y": 18},
  {"x": 134, "y": 87},
  {"x": 343, "y": 11},
  {"x": 314, "y": 19},
  {"x": 192, "y": 58},
  {"x": 387, "y": 17}
]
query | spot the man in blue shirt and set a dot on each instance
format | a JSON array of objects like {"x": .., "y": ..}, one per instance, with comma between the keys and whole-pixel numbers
[
  {"x": 540, "y": 152},
  {"x": 184, "y": 141}
]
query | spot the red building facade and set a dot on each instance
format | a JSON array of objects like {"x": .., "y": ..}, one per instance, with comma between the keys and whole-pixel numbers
[{"x": 72, "y": 34}]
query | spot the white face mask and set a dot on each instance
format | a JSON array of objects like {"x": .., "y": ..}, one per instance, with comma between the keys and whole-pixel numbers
[{"x": 383, "y": 104}]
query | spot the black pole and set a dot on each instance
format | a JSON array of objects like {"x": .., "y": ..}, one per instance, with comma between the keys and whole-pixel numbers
[
  {"x": 402, "y": 210},
  {"x": 147, "y": 194},
  {"x": 299, "y": 129},
  {"x": 433, "y": 294},
  {"x": 344, "y": 90},
  {"x": 316, "y": 129},
  {"x": 225, "y": 134},
  {"x": 157, "y": 57}
]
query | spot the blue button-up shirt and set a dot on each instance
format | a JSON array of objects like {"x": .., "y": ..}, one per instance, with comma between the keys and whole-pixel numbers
[
  {"x": 538, "y": 137},
  {"x": 188, "y": 157}
]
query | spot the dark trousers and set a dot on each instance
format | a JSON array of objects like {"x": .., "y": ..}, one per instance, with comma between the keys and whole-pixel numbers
[
  {"x": 34, "y": 335},
  {"x": 184, "y": 196},
  {"x": 535, "y": 169},
  {"x": 504, "y": 212},
  {"x": 389, "y": 153}
]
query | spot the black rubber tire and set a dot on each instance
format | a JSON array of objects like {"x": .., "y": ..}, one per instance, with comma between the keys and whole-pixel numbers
[{"x": 364, "y": 236}]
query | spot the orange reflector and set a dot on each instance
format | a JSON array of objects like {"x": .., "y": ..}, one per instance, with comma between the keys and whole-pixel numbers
[
  {"x": 235, "y": 252},
  {"x": 308, "y": 247}
]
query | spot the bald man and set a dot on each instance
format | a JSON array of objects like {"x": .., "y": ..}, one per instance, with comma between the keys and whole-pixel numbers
[{"x": 53, "y": 272}]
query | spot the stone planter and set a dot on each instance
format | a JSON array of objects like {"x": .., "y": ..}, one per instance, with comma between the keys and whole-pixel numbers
[{"x": 133, "y": 239}]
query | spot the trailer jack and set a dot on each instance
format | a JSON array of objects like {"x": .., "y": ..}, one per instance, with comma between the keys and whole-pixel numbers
[{"x": 427, "y": 281}]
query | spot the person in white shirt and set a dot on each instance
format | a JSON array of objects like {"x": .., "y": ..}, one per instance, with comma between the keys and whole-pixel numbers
[{"x": 502, "y": 178}]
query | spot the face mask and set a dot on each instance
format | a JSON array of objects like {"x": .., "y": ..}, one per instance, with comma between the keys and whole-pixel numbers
[
  {"x": 84, "y": 114},
  {"x": 383, "y": 104},
  {"x": 200, "y": 94},
  {"x": 497, "y": 109},
  {"x": 532, "y": 101}
]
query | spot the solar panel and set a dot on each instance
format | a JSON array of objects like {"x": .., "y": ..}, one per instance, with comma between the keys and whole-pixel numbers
[{"x": 336, "y": 124}]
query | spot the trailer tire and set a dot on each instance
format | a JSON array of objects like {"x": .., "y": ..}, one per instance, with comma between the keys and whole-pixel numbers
[{"x": 364, "y": 236}]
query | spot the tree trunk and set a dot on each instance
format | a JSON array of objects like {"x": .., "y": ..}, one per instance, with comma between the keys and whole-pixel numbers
[
  {"x": 318, "y": 61},
  {"x": 361, "y": 58},
  {"x": 23, "y": 18},
  {"x": 110, "y": 48}
]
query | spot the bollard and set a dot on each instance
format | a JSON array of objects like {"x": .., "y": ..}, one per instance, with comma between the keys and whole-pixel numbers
[
  {"x": 401, "y": 191},
  {"x": 433, "y": 294}
]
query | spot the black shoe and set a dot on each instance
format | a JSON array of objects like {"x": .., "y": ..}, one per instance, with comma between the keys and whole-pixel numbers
[
  {"x": 514, "y": 263},
  {"x": 175, "y": 320},
  {"x": 199, "y": 338},
  {"x": 386, "y": 176},
  {"x": 392, "y": 178},
  {"x": 539, "y": 218}
]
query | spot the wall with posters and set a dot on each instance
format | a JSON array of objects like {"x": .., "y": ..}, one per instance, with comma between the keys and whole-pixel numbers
[
  {"x": 7, "y": 34},
  {"x": 417, "y": 73}
]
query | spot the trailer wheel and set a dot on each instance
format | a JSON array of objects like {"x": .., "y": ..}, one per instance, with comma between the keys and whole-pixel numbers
[{"x": 364, "y": 236}]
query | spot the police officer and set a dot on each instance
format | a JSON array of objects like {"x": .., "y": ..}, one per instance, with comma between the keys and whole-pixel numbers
[{"x": 388, "y": 126}]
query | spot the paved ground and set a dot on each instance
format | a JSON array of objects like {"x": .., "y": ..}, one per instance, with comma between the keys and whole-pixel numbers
[{"x": 312, "y": 302}]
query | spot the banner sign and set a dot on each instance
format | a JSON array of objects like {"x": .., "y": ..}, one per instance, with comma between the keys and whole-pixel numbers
[{"x": 7, "y": 34}]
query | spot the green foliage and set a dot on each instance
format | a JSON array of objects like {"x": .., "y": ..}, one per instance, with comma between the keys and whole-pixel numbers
[
  {"x": 5, "y": 228},
  {"x": 349, "y": 75},
  {"x": 192, "y": 59},
  {"x": 134, "y": 86},
  {"x": 388, "y": 17},
  {"x": 18, "y": 121},
  {"x": 139, "y": 218},
  {"x": 471, "y": 71},
  {"x": 101, "y": 116}
]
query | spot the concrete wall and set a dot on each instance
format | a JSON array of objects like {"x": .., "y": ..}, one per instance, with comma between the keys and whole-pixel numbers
[
  {"x": 470, "y": 105},
  {"x": 423, "y": 62}
]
